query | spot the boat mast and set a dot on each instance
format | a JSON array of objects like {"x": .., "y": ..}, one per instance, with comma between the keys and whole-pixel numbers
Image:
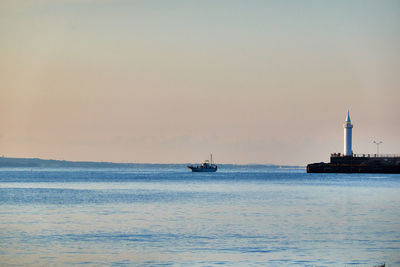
[{"x": 211, "y": 159}]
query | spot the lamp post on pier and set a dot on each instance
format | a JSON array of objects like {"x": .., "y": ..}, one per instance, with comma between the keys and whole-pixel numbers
[{"x": 377, "y": 146}]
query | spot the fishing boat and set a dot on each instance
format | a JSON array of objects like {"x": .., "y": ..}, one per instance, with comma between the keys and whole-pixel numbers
[{"x": 206, "y": 166}]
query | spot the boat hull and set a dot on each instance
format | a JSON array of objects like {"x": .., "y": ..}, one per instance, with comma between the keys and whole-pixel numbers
[{"x": 199, "y": 169}]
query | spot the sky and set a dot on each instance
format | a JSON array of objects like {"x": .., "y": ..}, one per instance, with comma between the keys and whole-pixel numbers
[{"x": 173, "y": 81}]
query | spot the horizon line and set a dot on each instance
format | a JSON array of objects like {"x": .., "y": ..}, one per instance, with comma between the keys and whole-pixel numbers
[{"x": 149, "y": 163}]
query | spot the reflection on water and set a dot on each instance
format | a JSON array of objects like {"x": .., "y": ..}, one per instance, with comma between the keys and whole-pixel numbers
[{"x": 169, "y": 216}]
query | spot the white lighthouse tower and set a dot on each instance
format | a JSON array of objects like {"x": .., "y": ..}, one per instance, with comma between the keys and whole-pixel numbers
[{"x": 347, "y": 136}]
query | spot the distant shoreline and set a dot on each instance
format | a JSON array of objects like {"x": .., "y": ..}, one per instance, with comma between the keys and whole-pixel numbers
[{"x": 6, "y": 162}]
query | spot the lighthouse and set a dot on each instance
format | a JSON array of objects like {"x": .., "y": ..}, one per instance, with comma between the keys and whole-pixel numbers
[
  {"x": 356, "y": 163},
  {"x": 347, "y": 136}
]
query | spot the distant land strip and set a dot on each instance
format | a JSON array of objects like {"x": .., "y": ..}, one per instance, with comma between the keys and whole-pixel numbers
[{"x": 6, "y": 162}]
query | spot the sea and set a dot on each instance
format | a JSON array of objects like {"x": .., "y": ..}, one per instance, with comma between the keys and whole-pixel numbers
[{"x": 165, "y": 215}]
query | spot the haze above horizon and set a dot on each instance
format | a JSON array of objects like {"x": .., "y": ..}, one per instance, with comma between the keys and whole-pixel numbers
[{"x": 265, "y": 82}]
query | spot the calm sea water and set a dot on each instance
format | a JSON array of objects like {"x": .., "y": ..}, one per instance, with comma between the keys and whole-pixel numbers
[{"x": 166, "y": 215}]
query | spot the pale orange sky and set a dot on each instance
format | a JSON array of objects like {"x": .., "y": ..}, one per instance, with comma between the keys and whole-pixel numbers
[{"x": 172, "y": 81}]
